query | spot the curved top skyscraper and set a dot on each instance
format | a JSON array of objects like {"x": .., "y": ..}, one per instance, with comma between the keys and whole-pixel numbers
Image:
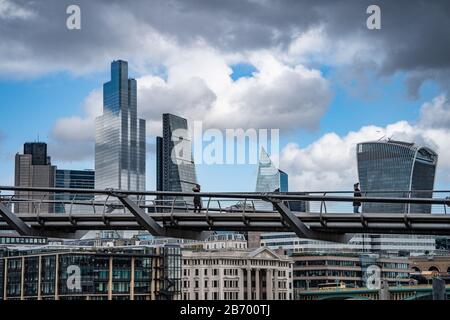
[
  {"x": 120, "y": 135},
  {"x": 396, "y": 166}
]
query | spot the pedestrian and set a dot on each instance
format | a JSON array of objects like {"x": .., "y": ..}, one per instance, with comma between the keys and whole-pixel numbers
[
  {"x": 197, "y": 199},
  {"x": 356, "y": 194}
]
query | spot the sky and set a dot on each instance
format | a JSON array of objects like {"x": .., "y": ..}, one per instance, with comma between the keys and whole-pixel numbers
[{"x": 313, "y": 70}]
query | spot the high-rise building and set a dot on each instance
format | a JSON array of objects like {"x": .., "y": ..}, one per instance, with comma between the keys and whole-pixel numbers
[
  {"x": 398, "y": 168},
  {"x": 271, "y": 179},
  {"x": 34, "y": 169},
  {"x": 175, "y": 168},
  {"x": 74, "y": 179},
  {"x": 39, "y": 152},
  {"x": 120, "y": 135}
]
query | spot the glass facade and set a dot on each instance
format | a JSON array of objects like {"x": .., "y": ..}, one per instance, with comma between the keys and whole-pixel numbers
[
  {"x": 120, "y": 135},
  {"x": 138, "y": 273},
  {"x": 396, "y": 166},
  {"x": 174, "y": 160},
  {"x": 74, "y": 179}
]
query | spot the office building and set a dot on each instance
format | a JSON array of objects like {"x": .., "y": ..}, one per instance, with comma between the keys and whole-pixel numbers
[
  {"x": 346, "y": 270},
  {"x": 396, "y": 169},
  {"x": 90, "y": 273},
  {"x": 399, "y": 168},
  {"x": 404, "y": 245},
  {"x": 175, "y": 168},
  {"x": 33, "y": 168},
  {"x": 271, "y": 179},
  {"x": 74, "y": 179},
  {"x": 225, "y": 270},
  {"x": 120, "y": 135}
]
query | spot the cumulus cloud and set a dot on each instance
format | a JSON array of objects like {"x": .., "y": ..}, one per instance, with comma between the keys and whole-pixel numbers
[
  {"x": 331, "y": 160},
  {"x": 200, "y": 88},
  {"x": 299, "y": 31},
  {"x": 10, "y": 10}
]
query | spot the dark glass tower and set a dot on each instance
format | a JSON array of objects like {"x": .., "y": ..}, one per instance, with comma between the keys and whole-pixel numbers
[
  {"x": 396, "y": 166},
  {"x": 38, "y": 151},
  {"x": 175, "y": 168},
  {"x": 120, "y": 135}
]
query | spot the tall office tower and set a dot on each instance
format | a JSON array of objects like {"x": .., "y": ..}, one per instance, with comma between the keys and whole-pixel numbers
[
  {"x": 396, "y": 166},
  {"x": 120, "y": 135},
  {"x": 34, "y": 169},
  {"x": 175, "y": 168},
  {"x": 271, "y": 179},
  {"x": 74, "y": 179}
]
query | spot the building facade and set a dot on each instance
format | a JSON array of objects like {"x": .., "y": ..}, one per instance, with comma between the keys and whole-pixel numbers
[
  {"x": 74, "y": 179},
  {"x": 400, "y": 168},
  {"x": 71, "y": 273},
  {"x": 120, "y": 136},
  {"x": 271, "y": 179},
  {"x": 34, "y": 169},
  {"x": 346, "y": 270},
  {"x": 394, "y": 245},
  {"x": 224, "y": 270},
  {"x": 175, "y": 167}
]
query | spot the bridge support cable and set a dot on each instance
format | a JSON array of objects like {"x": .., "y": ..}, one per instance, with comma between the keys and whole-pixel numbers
[
  {"x": 302, "y": 230},
  {"x": 15, "y": 222}
]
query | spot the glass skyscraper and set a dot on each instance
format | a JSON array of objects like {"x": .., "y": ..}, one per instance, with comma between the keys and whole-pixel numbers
[
  {"x": 396, "y": 166},
  {"x": 175, "y": 168},
  {"x": 269, "y": 177},
  {"x": 74, "y": 179},
  {"x": 120, "y": 135}
]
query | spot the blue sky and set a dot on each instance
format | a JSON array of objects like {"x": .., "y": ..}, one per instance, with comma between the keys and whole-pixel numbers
[
  {"x": 314, "y": 71},
  {"x": 34, "y": 105}
]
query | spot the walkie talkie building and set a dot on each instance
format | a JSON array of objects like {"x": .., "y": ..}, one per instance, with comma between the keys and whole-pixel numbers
[
  {"x": 399, "y": 168},
  {"x": 120, "y": 135}
]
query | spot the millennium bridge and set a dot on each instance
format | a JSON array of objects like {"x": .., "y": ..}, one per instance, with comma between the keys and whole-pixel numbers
[{"x": 328, "y": 215}]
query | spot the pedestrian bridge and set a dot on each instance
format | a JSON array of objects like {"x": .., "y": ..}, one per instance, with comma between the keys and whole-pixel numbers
[{"x": 328, "y": 214}]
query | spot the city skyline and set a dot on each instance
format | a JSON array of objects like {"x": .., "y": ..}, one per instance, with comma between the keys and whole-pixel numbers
[{"x": 326, "y": 96}]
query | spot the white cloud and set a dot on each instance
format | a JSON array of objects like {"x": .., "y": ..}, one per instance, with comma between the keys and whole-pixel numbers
[
  {"x": 436, "y": 114},
  {"x": 10, "y": 10},
  {"x": 199, "y": 87},
  {"x": 330, "y": 162}
]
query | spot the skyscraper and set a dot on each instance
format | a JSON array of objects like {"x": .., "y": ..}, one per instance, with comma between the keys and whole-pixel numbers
[
  {"x": 396, "y": 166},
  {"x": 270, "y": 179},
  {"x": 120, "y": 135},
  {"x": 34, "y": 169},
  {"x": 175, "y": 169},
  {"x": 74, "y": 179}
]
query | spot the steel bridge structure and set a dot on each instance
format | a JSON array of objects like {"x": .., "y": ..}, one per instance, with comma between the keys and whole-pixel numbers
[{"x": 171, "y": 214}]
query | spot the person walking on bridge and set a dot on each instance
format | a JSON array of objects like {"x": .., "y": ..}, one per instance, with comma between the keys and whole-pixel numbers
[
  {"x": 197, "y": 199},
  {"x": 356, "y": 193}
]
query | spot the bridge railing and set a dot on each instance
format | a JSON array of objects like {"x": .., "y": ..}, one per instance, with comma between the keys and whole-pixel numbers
[{"x": 60, "y": 200}]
